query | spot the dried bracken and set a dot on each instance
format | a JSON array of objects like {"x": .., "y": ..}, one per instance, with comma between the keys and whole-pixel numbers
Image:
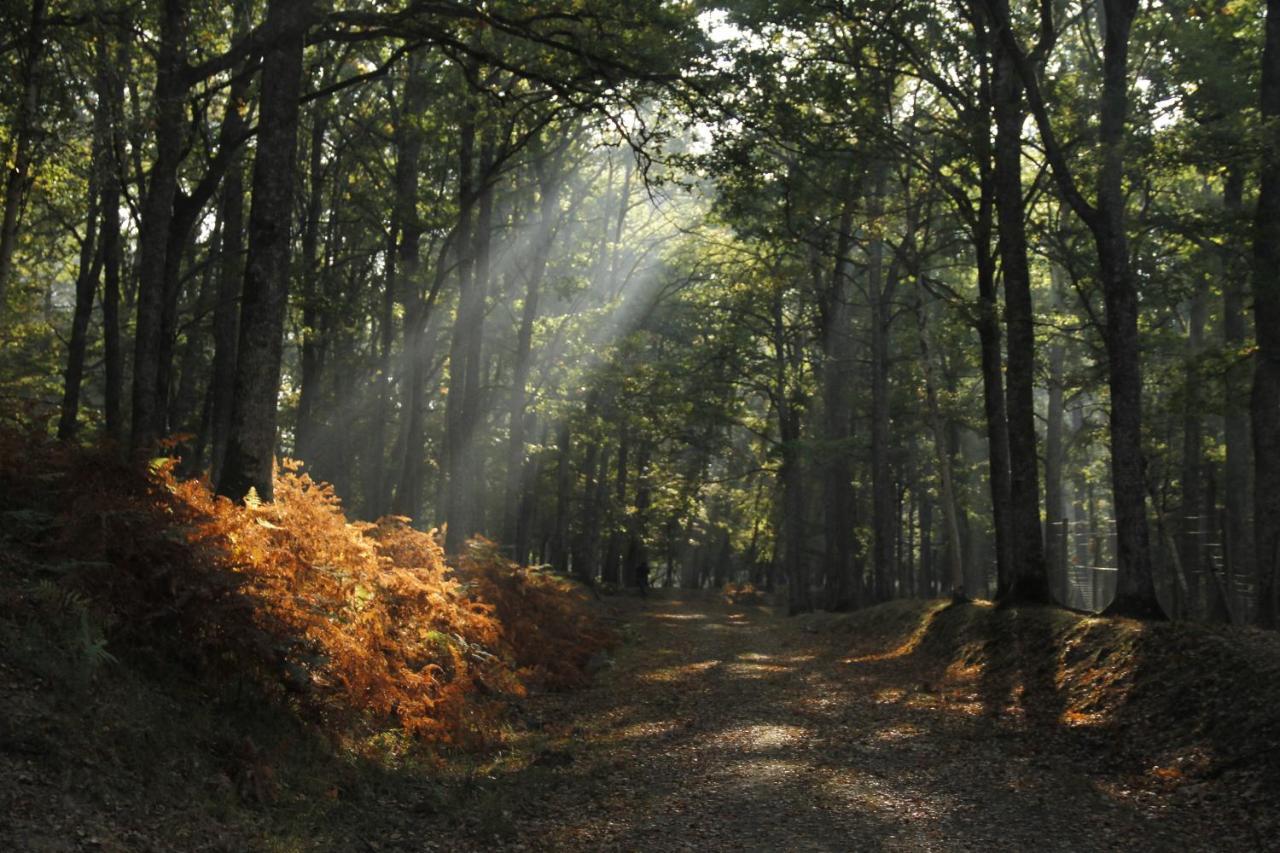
[{"x": 361, "y": 627}]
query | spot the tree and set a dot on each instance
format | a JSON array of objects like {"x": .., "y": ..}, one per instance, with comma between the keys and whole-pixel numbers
[
  {"x": 251, "y": 439},
  {"x": 1028, "y": 580},
  {"x": 18, "y": 173},
  {"x": 716, "y": 291},
  {"x": 1105, "y": 218},
  {"x": 1265, "y": 407}
]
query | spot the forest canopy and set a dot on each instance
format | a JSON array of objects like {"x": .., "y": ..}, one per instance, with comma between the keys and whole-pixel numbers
[{"x": 863, "y": 300}]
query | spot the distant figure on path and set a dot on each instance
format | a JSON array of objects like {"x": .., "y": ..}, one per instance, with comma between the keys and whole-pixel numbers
[{"x": 642, "y": 577}]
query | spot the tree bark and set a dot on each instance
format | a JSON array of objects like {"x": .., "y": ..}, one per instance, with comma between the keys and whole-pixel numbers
[
  {"x": 312, "y": 357},
  {"x": 993, "y": 399},
  {"x": 251, "y": 444},
  {"x": 468, "y": 323},
  {"x": 18, "y": 177},
  {"x": 1265, "y": 404},
  {"x": 1136, "y": 592},
  {"x": 931, "y": 587},
  {"x": 156, "y": 221},
  {"x": 1238, "y": 469},
  {"x": 186, "y": 409},
  {"x": 637, "y": 551},
  {"x": 527, "y": 509},
  {"x": 550, "y": 180},
  {"x": 102, "y": 205},
  {"x": 473, "y": 496},
  {"x": 1027, "y": 581},
  {"x": 1193, "y": 509},
  {"x": 377, "y": 500},
  {"x": 86, "y": 286},
  {"x": 595, "y": 468},
  {"x": 882, "y": 288},
  {"x": 187, "y": 210},
  {"x": 789, "y": 403},
  {"x": 793, "y": 509},
  {"x": 226, "y": 317},
  {"x": 611, "y": 567},
  {"x": 108, "y": 86},
  {"x": 558, "y": 551},
  {"x": 112, "y": 351},
  {"x": 946, "y": 476},
  {"x": 841, "y": 592},
  {"x": 1054, "y": 459}
]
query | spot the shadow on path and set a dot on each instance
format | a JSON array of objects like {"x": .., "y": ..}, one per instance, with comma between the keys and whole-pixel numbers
[{"x": 727, "y": 728}]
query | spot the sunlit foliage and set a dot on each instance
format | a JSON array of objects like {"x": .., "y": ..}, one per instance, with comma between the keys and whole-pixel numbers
[{"x": 359, "y": 627}]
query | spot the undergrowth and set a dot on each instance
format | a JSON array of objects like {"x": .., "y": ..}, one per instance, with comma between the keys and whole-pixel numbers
[
  {"x": 1176, "y": 702},
  {"x": 360, "y": 630}
]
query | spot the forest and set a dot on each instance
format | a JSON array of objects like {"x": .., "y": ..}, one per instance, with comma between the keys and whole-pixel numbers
[{"x": 399, "y": 383}]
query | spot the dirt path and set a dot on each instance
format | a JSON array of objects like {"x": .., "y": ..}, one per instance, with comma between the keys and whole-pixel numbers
[{"x": 726, "y": 728}]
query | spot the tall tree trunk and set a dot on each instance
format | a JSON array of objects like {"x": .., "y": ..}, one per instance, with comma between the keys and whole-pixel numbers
[
  {"x": 156, "y": 222},
  {"x": 1193, "y": 509},
  {"x": 927, "y": 571},
  {"x": 86, "y": 286},
  {"x": 185, "y": 411},
  {"x": 251, "y": 443},
  {"x": 611, "y": 567},
  {"x": 226, "y": 307},
  {"x": 549, "y": 183},
  {"x": 1238, "y": 469},
  {"x": 1082, "y": 519},
  {"x": 1054, "y": 459},
  {"x": 993, "y": 401},
  {"x": 946, "y": 475},
  {"x": 837, "y": 485},
  {"x": 1265, "y": 405},
  {"x": 109, "y": 89},
  {"x": 112, "y": 352},
  {"x": 1136, "y": 591},
  {"x": 313, "y": 343},
  {"x": 595, "y": 468},
  {"x": 226, "y": 317},
  {"x": 793, "y": 510},
  {"x": 789, "y": 403},
  {"x": 346, "y": 370},
  {"x": 187, "y": 211},
  {"x": 637, "y": 551},
  {"x": 558, "y": 550},
  {"x": 18, "y": 177},
  {"x": 181, "y": 245},
  {"x": 468, "y": 320},
  {"x": 913, "y": 500},
  {"x": 472, "y": 500},
  {"x": 376, "y": 499},
  {"x": 526, "y": 511},
  {"x": 409, "y": 144},
  {"x": 419, "y": 325},
  {"x": 881, "y": 288},
  {"x": 1028, "y": 580},
  {"x": 103, "y": 189},
  {"x": 988, "y": 319}
]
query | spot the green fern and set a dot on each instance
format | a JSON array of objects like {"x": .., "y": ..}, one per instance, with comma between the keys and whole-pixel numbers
[{"x": 93, "y": 645}]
